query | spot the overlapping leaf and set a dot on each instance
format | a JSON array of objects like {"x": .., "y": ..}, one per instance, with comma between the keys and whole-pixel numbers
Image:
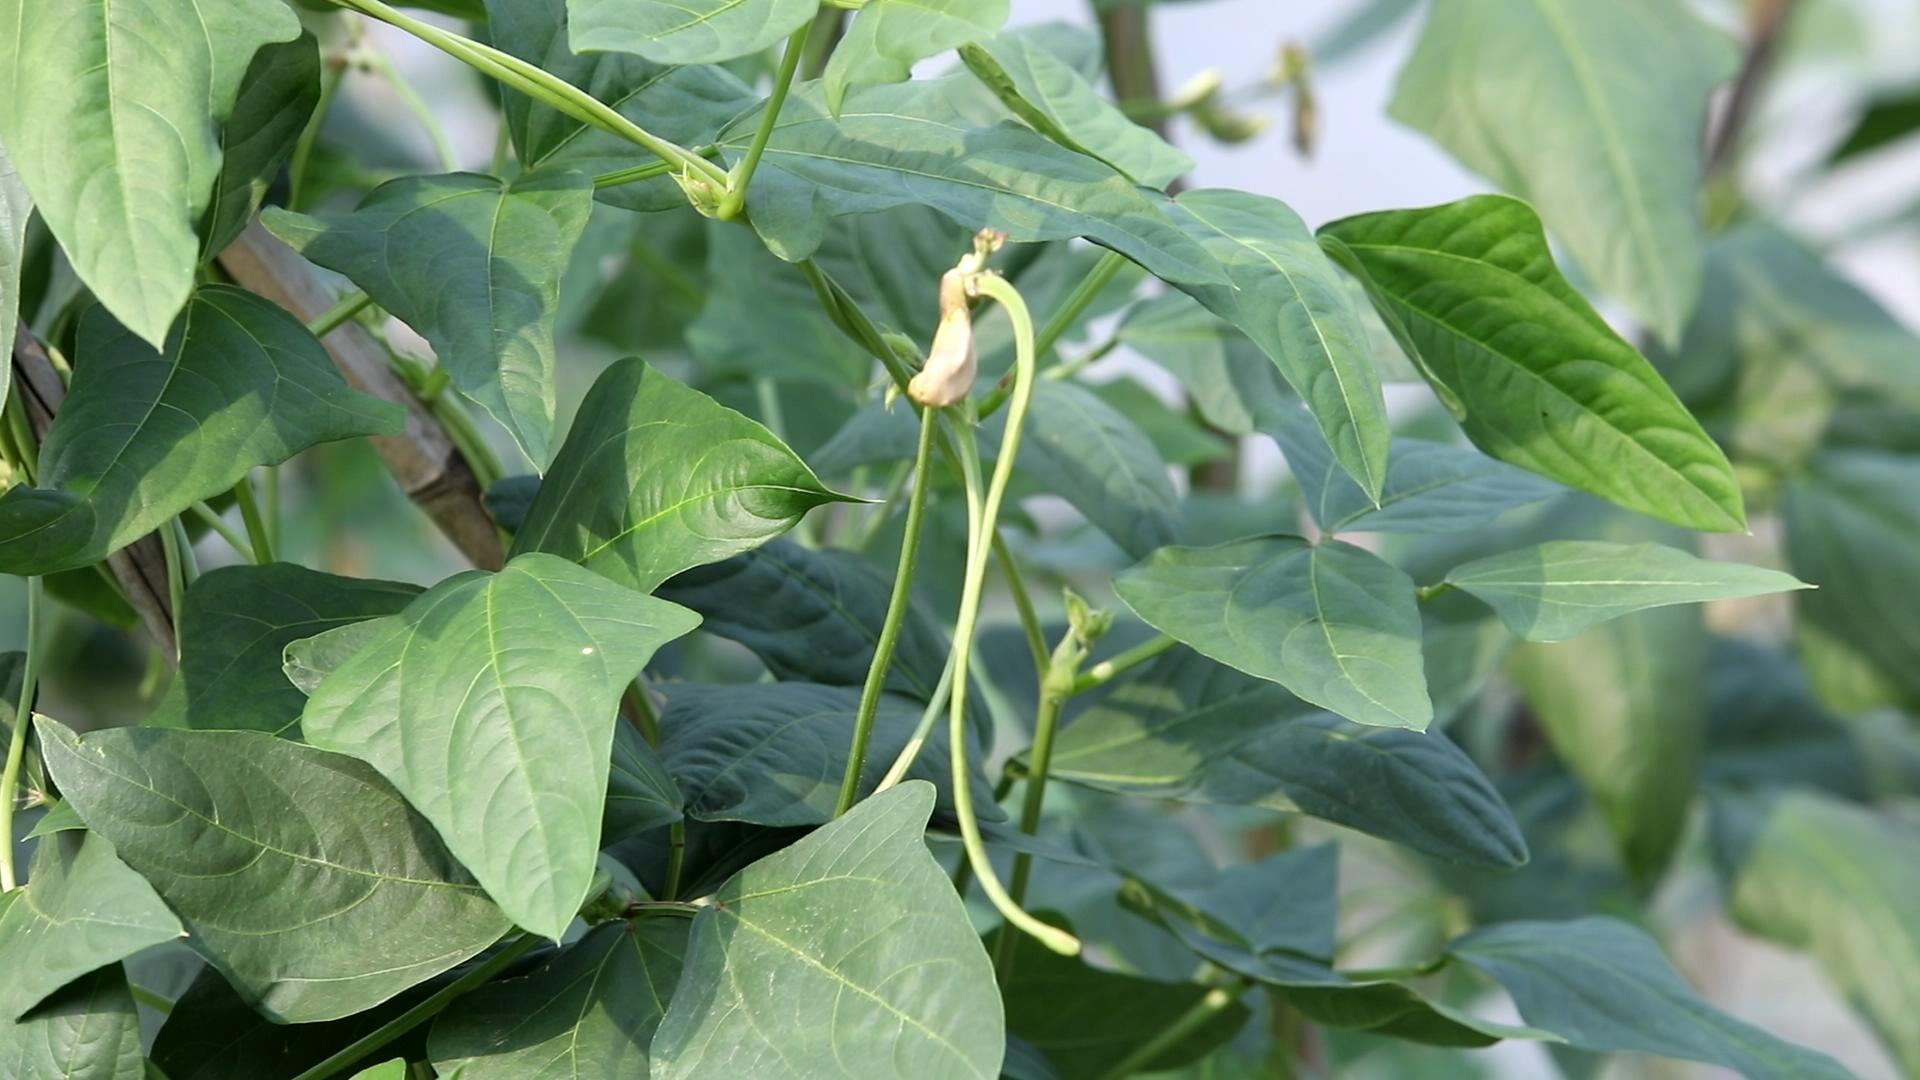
[
  {"x": 144, "y": 434},
  {"x": 887, "y": 37},
  {"x": 302, "y": 875},
  {"x": 16, "y": 209},
  {"x": 656, "y": 478},
  {"x": 1056, "y": 100},
  {"x": 1287, "y": 297},
  {"x": 1223, "y": 373},
  {"x": 1602, "y": 985},
  {"x": 775, "y": 753},
  {"x": 1537, "y": 378},
  {"x": 81, "y": 909},
  {"x": 111, "y": 121},
  {"x": 474, "y": 266},
  {"x": 591, "y": 1010},
  {"x": 490, "y": 704},
  {"x": 687, "y": 104},
  {"x": 1555, "y": 590},
  {"x": 914, "y": 143},
  {"x": 89, "y": 1030},
  {"x": 685, "y": 31},
  {"x": 276, "y": 99},
  {"x": 1593, "y": 113},
  {"x": 1192, "y": 730},
  {"x": 1330, "y": 622},
  {"x": 1081, "y": 449},
  {"x": 235, "y": 625},
  {"x": 846, "y": 953}
]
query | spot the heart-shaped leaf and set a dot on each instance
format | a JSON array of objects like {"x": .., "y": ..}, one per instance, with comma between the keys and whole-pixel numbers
[
  {"x": 145, "y": 434},
  {"x": 110, "y": 118},
  {"x": 887, "y": 37},
  {"x": 1083, "y": 450},
  {"x": 685, "y": 31},
  {"x": 474, "y": 266},
  {"x": 490, "y": 703},
  {"x": 1536, "y": 376},
  {"x": 655, "y": 478},
  {"x": 1330, "y": 622},
  {"x": 81, "y": 909},
  {"x": 276, "y": 100},
  {"x": 302, "y": 875},
  {"x": 847, "y": 953},
  {"x": 591, "y": 1010},
  {"x": 88, "y": 1030}
]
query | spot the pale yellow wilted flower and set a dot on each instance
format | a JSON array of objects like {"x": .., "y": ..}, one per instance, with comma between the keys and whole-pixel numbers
[{"x": 951, "y": 363}]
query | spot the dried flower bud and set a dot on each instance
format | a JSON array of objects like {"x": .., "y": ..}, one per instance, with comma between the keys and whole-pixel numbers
[{"x": 951, "y": 363}]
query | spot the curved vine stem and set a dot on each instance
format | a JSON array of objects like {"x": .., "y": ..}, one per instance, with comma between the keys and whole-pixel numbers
[
  {"x": 982, "y": 513},
  {"x": 896, "y": 618},
  {"x": 735, "y": 198},
  {"x": 17, "y": 742},
  {"x": 549, "y": 89},
  {"x": 911, "y": 751}
]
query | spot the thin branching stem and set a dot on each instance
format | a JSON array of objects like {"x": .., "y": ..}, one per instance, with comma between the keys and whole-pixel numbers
[{"x": 17, "y": 738}]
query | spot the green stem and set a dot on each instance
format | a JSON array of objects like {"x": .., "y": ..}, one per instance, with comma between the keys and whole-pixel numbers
[
  {"x": 982, "y": 515},
  {"x": 548, "y": 89},
  {"x": 257, "y": 531},
  {"x": 17, "y": 740},
  {"x": 1062, "y": 320},
  {"x": 1022, "y": 604},
  {"x": 878, "y": 517},
  {"x": 676, "y": 858},
  {"x": 273, "y": 506},
  {"x": 310, "y": 135},
  {"x": 1106, "y": 671},
  {"x": 891, "y": 625},
  {"x": 1184, "y": 1025},
  {"x": 648, "y": 171},
  {"x": 212, "y": 519},
  {"x": 642, "y": 712},
  {"x": 152, "y": 999},
  {"x": 383, "y": 65},
  {"x": 1080, "y": 363},
  {"x": 911, "y": 751},
  {"x": 176, "y": 574},
  {"x": 735, "y": 198},
  {"x": 1428, "y": 592},
  {"x": 334, "y": 317},
  {"x": 422, "y": 1012}
]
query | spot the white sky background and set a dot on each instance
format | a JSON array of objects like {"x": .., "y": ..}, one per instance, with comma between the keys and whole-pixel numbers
[{"x": 1365, "y": 161}]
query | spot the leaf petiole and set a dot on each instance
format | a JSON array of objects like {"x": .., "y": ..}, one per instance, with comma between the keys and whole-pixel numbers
[
  {"x": 741, "y": 175},
  {"x": 17, "y": 741}
]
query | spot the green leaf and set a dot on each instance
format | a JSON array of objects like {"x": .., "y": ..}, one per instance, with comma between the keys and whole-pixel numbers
[
  {"x": 16, "y": 210},
  {"x": 812, "y": 614},
  {"x": 490, "y": 703},
  {"x": 1602, "y": 985},
  {"x": 1605, "y": 139},
  {"x": 311, "y": 915},
  {"x": 1430, "y": 487},
  {"x": 1624, "y": 710},
  {"x": 685, "y": 31},
  {"x": 1537, "y": 378},
  {"x": 1889, "y": 117},
  {"x": 238, "y": 621},
  {"x": 474, "y": 265},
  {"x": 775, "y": 753},
  {"x": 1080, "y": 448},
  {"x": 111, "y": 121},
  {"x": 144, "y": 434},
  {"x": 1555, "y": 590},
  {"x": 1766, "y": 729},
  {"x": 887, "y": 37},
  {"x": 734, "y": 325},
  {"x": 640, "y": 794},
  {"x": 656, "y": 478},
  {"x": 1287, "y": 297},
  {"x": 309, "y": 660},
  {"x": 1786, "y": 356},
  {"x": 1178, "y": 439},
  {"x": 686, "y": 104},
  {"x": 81, "y": 909},
  {"x": 394, "y": 1069},
  {"x": 916, "y": 143},
  {"x": 89, "y": 1030},
  {"x": 1086, "y": 1020},
  {"x": 1330, "y": 622},
  {"x": 1189, "y": 729},
  {"x": 590, "y": 1010},
  {"x": 846, "y": 953},
  {"x": 1223, "y": 373},
  {"x": 277, "y": 97},
  {"x": 1838, "y": 881},
  {"x": 1851, "y": 519},
  {"x": 1047, "y": 93}
]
